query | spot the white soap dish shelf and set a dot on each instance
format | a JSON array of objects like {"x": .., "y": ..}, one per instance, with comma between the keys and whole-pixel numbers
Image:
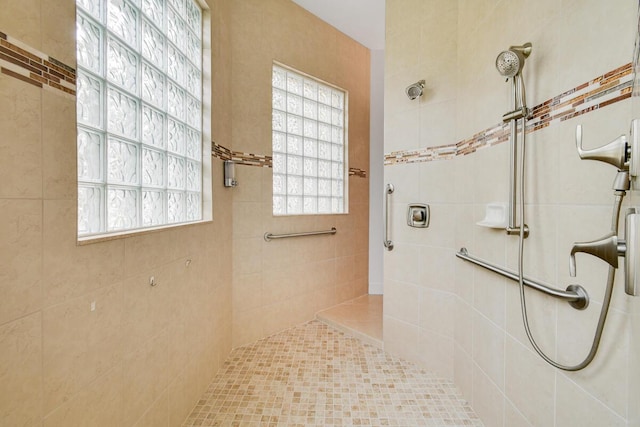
[{"x": 495, "y": 216}]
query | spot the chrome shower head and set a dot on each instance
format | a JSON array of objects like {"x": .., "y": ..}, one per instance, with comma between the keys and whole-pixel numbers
[
  {"x": 415, "y": 90},
  {"x": 510, "y": 62}
]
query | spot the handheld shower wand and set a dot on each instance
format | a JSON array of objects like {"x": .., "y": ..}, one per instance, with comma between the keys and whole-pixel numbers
[{"x": 511, "y": 62}]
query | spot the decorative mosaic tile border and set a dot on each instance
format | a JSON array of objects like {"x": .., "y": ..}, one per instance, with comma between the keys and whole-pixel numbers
[
  {"x": 607, "y": 89},
  {"x": 360, "y": 173},
  {"x": 248, "y": 159},
  {"x": 31, "y": 66}
]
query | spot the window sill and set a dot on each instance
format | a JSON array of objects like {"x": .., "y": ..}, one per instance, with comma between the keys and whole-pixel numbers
[{"x": 99, "y": 238}]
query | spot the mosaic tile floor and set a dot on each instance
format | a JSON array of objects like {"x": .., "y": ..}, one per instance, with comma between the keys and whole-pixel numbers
[{"x": 314, "y": 375}]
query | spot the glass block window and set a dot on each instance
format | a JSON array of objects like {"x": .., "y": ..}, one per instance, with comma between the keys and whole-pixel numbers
[
  {"x": 139, "y": 106},
  {"x": 309, "y": 145}
]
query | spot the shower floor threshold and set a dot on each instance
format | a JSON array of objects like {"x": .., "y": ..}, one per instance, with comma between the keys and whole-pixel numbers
[{"x": 359, "y": 318}]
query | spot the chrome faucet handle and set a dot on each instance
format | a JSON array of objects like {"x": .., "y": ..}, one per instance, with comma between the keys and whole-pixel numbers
[
  {"x": 615, "y": 153},
  {"x": 606, "y": 249}
]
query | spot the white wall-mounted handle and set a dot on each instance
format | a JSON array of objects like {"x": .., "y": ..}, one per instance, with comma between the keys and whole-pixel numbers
[{"x": 388, "y": 243}]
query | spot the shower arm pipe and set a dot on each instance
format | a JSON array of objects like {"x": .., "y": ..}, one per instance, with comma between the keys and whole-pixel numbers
[
  {"x": 388, "y": 243},
  {"x": 575, "y": 295},
  {"x": 269, "y": 236}
]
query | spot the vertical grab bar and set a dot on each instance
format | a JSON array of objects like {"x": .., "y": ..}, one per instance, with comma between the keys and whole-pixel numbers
[{"x": 388, "y": 243}]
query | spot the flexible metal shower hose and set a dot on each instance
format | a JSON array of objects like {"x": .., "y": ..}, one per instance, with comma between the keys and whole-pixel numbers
[{"x": 619, "y": 195}]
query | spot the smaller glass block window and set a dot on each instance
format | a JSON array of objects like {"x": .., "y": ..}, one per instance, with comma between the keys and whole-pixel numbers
[
  {"x": 139, "y": 114},
  {"x": 309, "y": 145}
]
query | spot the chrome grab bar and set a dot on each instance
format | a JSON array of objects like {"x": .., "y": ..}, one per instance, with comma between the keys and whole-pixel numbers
[
  {"x": 269, "y": 236},
  {"x": 575, "y": 295},
  {"x": 388, "y": 243}
]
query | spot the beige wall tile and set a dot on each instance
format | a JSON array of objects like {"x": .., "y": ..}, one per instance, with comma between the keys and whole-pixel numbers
[
  {"x": 247, "y": 291},
  {"x": 303, "y": 308},
  {"x": 346, "y": 269},
  {"x": 487, "y": 397},
  {"x": 463, "y": 326},
  {"x": 247, "y": 255},
  {"x": 250, "y": 179},
  {"x": 145, "y": 377},
  {"x": 634, "y": 369},
  {"x": 463, "y": 372},
  {"x": 437, "y": 311},
  {"x": 246, "y": 220},
  {"x": 436, "y": 268},
  {"x": 488, "y": 345},
  {"x": 247, "y": 326},
  {"x": 325, "y": 298},
  {"x": 20, "y": 125},
  {"x": 401, "y": 339},
  {"x": 59, "y": 168},
  {"x": 20, "y": 258},
  {"x": 571, "y": 398},
  {"x": 278, "y": 285},
  {"x": 81, "y": 341},
  {"x": 435, "y": 352},
  {"x": 529, "y": 383},
  {"x": 181, "y": 391},
  {"x": 75, "y": 270},
  {"x": 157, "y": 415},
  {"x": 489, "y": 296},
  {"x": 606, "y": 379},
  {"x": 402, "y": 301},
  {"x": 490, "y": 164},
  {"x": 513, "y": 417},
  {"x": 21, "y": 371},
  {"x": 438, "y": 119},
  {"x": 346, "y": 291},
  {"x": 276, "y": 317},
  {"x": 402, "y": 255},
  {"x": 58, "y": 24},
  {"x": 464, "y": 281},
  {"x": 149, "y": 250},
  {"x": 99, "y": 404},
  {"x": 322, "y": 274},
  {"x": 22, "y": 20},
  {"x": 179, "y": 349},
  {"x": 275, "y": 254}
]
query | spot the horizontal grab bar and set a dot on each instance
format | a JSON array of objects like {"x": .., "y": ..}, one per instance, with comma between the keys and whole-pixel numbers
[
  {"x": 268, "y": 236},
  {"x": 575, "y": 295}
]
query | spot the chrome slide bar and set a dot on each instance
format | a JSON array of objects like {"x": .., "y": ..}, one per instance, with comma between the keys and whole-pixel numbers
[
  {"x": 575, "y": 295},
  {"x": 268, "y": 236}
]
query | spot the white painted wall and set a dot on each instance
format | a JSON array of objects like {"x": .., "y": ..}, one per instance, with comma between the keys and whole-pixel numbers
[{"x": 376, "y": 174}]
